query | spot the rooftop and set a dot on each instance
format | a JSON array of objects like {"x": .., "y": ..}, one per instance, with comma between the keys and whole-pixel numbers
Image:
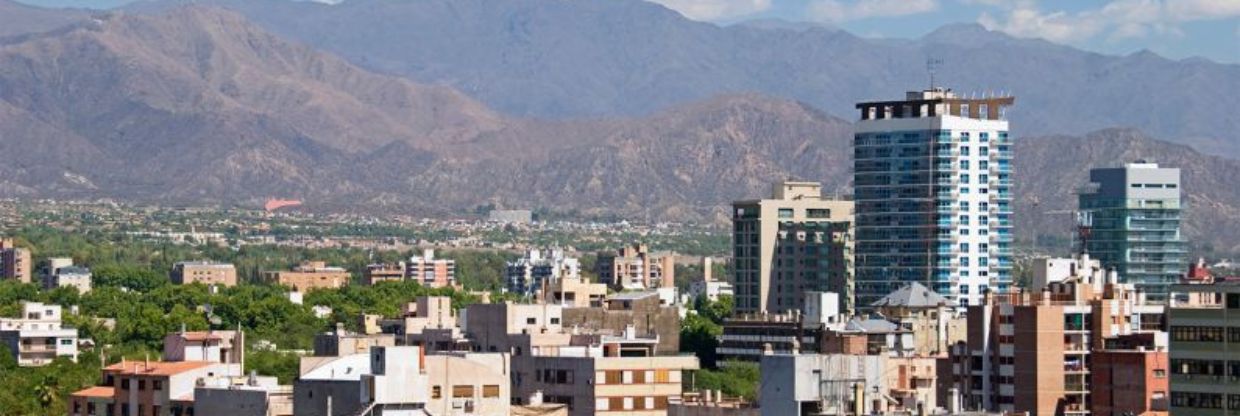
[
  {"x": 913, "y": 295},
  {"x": 96, "y": 391},
  {"x": 155, "y": 368}
]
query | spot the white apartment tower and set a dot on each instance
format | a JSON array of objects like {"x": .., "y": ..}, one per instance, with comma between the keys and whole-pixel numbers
[{"x": 933, "y": 196}]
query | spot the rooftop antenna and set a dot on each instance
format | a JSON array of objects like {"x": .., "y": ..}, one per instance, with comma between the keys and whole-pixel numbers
[{"x": 932, "y": 66}]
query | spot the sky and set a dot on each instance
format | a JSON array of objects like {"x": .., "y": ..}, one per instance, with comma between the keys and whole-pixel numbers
[{"x": 1175, "y": 29}]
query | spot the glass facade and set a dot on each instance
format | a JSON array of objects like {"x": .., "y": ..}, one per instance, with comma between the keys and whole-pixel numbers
[{"x": 933, "y": 206}]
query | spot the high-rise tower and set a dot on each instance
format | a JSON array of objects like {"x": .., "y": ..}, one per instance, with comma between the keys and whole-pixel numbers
[
  {"x": 1134, "y": 214},
  {"x": 933, "y": 190}
]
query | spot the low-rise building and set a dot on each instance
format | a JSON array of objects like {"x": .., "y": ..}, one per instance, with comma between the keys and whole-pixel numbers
[
  {"x": 574, "y": 292},
  {"x": 76, "y": 277},
  {"x": 845, "y": 384},
  {"x": 635, "y": 267},
  {"x": 340, "y": 342},
  {"x": 397, "y": 380},
  {"x": 933, "y": 320},
  {"x": 602, "y": 374},
  {"x": 251, "y": 395},
  {"x": 428, "y": 322},
  {"x": 38, "y": 337},
  {"x": 205, "y": 272},
  {"x": 644, "y": 311},
  {"x": 309, "y": 276},
  {"x": 147, "y": 388},
  {"x": 384, "y": 272},
  {"x": 225, "y": 347}
]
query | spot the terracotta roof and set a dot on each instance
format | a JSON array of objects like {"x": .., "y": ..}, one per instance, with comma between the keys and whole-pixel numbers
[
  {"x": 97, "y": 391},
  {"x": 199, "y": 336},
  {"x": 156, "y": 368}
]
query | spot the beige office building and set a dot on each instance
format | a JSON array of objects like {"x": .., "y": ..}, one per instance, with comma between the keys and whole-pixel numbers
[
  {"x": 792, "y": 243},
  {"x": 205, "y": 272},
  {"x": 311, "y": 275}
]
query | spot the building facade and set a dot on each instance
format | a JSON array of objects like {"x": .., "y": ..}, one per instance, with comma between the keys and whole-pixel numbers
[
  {"x": 309, "y": 276},
  {"x": 1205, "y": 349},
  {"x": 38, "y": 337},
  {"x": 1034, "y": 352},
  {"x": 794, "y": 242},
  {"x": 430, "y": 271},
  {"x": 527, "y": 275},
  {"x": 76, "y": 277},
  {"x": 933, "y": 181},
  {"x": 204, "y": 272},
  {"x": 14, "y": 261},
  {"x": 1133, "y": 218},
  {"x": 636, "y": 268},
  {"x": 156, "y": 388}
]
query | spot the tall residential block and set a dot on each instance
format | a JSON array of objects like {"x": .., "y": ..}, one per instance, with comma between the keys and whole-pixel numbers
[
  {"x": 933, "y": 188},
  {"x": 1041, "y": 351},
  {"x": 14, "y": 261},
  {"x": 528, "y": 275},
  {"x": 636, "y": 268},
  {"x": 792, "y": 243},
  {"x": 1134, "y": 224},
  {"x": 1205, "y": 349},
  {"x": 430, "y": 271}
]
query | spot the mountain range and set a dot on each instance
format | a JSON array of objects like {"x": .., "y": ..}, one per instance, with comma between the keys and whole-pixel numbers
[
  {"x": 197, "y": 104},
  {"x": 600, "y": 58}
]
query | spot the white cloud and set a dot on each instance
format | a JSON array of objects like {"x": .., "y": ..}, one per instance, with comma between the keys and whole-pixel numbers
[
  {"x": 716, "y": 9},
  {"x": 1117, "y": 20},
  {"x": 836, "y": 11}
]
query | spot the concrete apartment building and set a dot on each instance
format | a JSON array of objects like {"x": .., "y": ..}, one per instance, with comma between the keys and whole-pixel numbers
[
  {"x": 403, "y": 380},
  {"x": 604, "y": 374},
  {"x": 1205, "y": 349},
  {"x": 709, "y": 287},
  {"x": 428, "y": 322},
  {"x": 77, "y": 277},
  {"x": 383, "y": 272},
  {"x": 1034, "y": 352},
  {"x": 527, "y": 275},
  {"x": 205, "y": 272},
  {"x": 15, "y": 261},
  {"x": 575, "y": 292},
  {"x": 38, "y": 337},
  {"x": 933, "y": 180},
  {"x": 636, "y": 268},
  {"x": 798, "y": 384},
  {"x": 1133, "y": 217},
  {"x": 644, "y": 311},
  {"x": 794, "y": 242},
  {"x": 156, "y": 388},
  {"x": 250, "y": 395},
  {"x": 309, "y": 276},
  {"x": 430, "y": 271}
]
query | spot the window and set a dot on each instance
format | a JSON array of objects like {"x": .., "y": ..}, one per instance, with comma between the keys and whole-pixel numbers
[
  {"x": 1160, "y": 373},
  {"x": 141, "y": 385},
  {"x": 964, "y": 247},
  {"x": 983, "y": 261},
  {"x": 964, "y": 178},
  {"x": 531, "y": 321},
  {"x": 490, "y": 391},
  {"x": 157, "y": 385},
  {"x": 983, "y": 165},
  {"x": 964, "y": 136},
  {"x": 964, "y": 205},
  {"x": 964, "y": 220},
  {"x": 964, "y": 150},
  {"x": 124, "y": 384},
  {"x": 462, "y": 392},
  {"x": 964, "y": 164},
  {"x": 436, "y": 392},
  {"x": 964, "y": 289},
  {"x": 555, "y": 321},
  {"x": 964, "y": 262},
  {"x": 66, "y": 342},
  {"x": 818, "y": 213},
  {"x": 983, "y": 151},
  {"x": 785, "y": 213}
]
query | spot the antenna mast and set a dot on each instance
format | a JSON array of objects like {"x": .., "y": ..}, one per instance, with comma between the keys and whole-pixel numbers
[{"x": 932, "y": 66}]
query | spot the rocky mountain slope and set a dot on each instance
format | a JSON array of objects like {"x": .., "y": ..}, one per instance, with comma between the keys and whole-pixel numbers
[
  {"x": 199, "y": 106},
  {"x": 562, "y": 59}
]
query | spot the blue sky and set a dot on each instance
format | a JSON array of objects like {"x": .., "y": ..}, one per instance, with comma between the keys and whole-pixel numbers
[{"x": 1172, "y": 28}]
